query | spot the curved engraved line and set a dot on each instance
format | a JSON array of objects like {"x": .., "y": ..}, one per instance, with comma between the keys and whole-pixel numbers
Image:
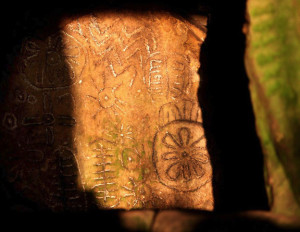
[
  {"x": 197, "y": 141},
  {"x": 155, "y": 160},
  {"x": 171, "y": 158},
  {"x": 59, "y": 87},
  {"x": 184, "y": 109},
  {"x": 178, "y": 111},
  {"x": 79, "y": 169},
  {"x": 200, "y": 160},
  {"x": 192, "y": 110},
  {"x": 198, "y": 114},
  {"x": 185, "y": 81},
  {"x": 173, "y": 139},
  {"x": 187, "y": 142},
  {"x": 199, "y": 175},
  {"x": 189, "y": 190},
  {"x": 163, "y": 110},
  {"x": 28, "y": 41},
  {"x": 45, "y": 88},
  {"x": 186, "y": 172},
  {"x": 70, "y": 69},
  {"x": 154, "y": 154},
  {"x": 134, "y": 151},
  {"x": 177, "y": 173},
  {"x": 80, "y": 48}
]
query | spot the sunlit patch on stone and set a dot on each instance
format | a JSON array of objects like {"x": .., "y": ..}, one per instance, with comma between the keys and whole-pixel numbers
[{"x": 108, "y": 105}]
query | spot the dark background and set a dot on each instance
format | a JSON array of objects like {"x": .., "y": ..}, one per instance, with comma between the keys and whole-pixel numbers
[{"x": 224, "y": 95}]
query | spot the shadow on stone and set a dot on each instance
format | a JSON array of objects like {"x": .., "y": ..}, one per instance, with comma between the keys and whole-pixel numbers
[{"x": 237, "y": 159}]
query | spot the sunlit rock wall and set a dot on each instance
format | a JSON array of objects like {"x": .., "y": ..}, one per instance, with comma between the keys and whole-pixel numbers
[{"x": 106, "y": 108}]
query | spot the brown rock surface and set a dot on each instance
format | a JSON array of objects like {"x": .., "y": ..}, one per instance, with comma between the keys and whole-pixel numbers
[{"x": 107, "y": 106}]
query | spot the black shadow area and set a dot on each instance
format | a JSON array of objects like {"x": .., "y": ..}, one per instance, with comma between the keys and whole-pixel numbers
[
  {"x": 45, "y": 135},
  {"x": 228, "y": 117}
]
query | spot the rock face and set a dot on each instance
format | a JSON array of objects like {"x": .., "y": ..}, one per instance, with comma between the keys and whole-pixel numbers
[
  {"x": 272, "y": 62},
  {"x": 107, "y": 107}
]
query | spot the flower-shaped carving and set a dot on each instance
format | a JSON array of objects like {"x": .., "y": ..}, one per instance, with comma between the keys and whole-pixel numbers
[
  {"x": 186, "y": 156},
  {"x": 138, "y": 194},
  {"x": 180, "y": 156}
]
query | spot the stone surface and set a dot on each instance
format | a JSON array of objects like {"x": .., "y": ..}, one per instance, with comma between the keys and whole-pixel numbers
[
  {"x": 193, "y": 220},
  {"x": 272, "y": 62},
  {"x": 137, "y": 220},
  {"x": 104, "y": 111}
]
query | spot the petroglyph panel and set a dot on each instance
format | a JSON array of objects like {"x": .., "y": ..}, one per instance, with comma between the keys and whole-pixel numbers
[
  {"x": 107, "y": 107},
  {"x": 180, "y": 156}
]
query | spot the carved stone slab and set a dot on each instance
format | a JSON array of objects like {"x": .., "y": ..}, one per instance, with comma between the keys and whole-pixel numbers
[{"x": 107, "y": 106}]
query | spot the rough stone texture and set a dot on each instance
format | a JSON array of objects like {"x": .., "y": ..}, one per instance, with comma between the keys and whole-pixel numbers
[
  {"x": 172, "y": 220},
  {"x": 272, "y": 62},
  {"x": 137, "y": 220},
  {"x": 106, "y": 108}
]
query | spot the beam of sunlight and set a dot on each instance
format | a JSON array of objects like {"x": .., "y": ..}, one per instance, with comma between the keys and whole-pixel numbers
[{"x": 120, "y": 115}]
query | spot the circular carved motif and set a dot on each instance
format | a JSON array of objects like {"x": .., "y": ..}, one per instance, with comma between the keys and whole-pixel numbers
[
  {"x": 107, "y": 98},
  {"x": 180, "y": 156},
  {"x": 52, "y": 63},
  {"x": 9, "y": 121}
]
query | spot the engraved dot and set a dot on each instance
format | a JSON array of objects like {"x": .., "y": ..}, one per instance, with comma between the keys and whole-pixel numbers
[
  {"x": 184, "y": 154},
  {"x": 176, "y": 173},
  {"x": 53, "y": 58},
  {"x": 106, "y": 98}
]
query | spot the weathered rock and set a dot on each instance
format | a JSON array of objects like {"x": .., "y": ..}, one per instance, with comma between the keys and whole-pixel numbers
[
  {"x": 171, "y": 220},
  {"x": 137, "y": 220},
  {"x": 107, "y": 107},
  {"x": 272, "y": 62}
]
